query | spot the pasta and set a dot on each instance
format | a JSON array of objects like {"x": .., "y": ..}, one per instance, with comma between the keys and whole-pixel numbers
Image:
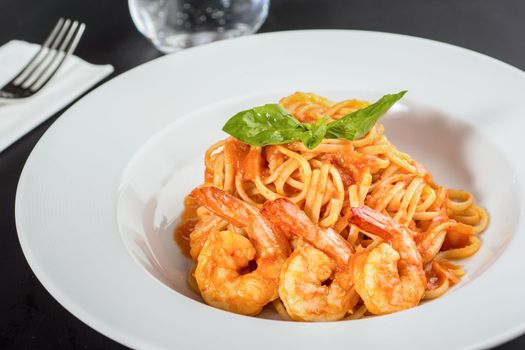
[{"x": 326, "y": 182}]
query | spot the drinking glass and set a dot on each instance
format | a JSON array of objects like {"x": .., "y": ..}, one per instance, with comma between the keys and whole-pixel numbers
[{"x": 172, "y": 25}]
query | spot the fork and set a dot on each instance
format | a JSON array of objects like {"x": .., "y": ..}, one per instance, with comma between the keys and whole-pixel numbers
[{"x": 45, "y": 64}]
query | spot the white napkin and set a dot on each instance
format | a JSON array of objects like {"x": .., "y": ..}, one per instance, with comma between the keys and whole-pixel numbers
[{"x": 73, "y": 79}]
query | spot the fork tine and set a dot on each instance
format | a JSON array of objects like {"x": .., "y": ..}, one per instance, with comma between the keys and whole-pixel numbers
[
  {"x": 36, "y": 72},
  {"x": 54, "y": 57},
  {"x": 29, "y": 66},
  {"x": 66, "y": 49}
]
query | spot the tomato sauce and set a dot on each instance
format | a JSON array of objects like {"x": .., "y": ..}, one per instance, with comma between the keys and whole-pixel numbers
[{"x": 186, "y": 225}]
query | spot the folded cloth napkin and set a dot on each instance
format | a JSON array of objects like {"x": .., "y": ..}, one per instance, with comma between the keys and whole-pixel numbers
[{"x": 74, "y": 78}]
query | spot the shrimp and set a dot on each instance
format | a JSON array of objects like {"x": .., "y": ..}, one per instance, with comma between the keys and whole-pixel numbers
[
  {"x": 223, "y": 266},
  {"x": 312, "y": 289},
  {"x": 202, "y": 229},
  {"x": 288, "y": 219},
  {"x": 315, "y": 284},
  {"x": 390, "y": 276}
]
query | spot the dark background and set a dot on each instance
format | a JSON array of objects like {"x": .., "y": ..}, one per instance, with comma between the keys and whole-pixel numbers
[{"x": 29, "y": 317}]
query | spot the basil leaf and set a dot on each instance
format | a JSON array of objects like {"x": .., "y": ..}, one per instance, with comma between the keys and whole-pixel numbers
[
  {"x": 358, "y": 123},
  {"x": 315, "y": 134},
  {"x": 271, "y": 124}
]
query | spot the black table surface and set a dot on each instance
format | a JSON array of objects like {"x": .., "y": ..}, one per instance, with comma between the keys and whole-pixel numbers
[{"x": 29, "y": 316}]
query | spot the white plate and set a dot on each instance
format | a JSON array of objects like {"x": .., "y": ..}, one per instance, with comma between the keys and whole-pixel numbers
[{"x": 95, "y": 171}]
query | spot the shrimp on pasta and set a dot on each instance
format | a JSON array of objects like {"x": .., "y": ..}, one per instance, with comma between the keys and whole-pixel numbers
[
  {"x": 308, "y": 206},
  {"x": 390, "y": 276},
  {"x": 223, "y": 266},
  {"x": 316, "y": 280}
]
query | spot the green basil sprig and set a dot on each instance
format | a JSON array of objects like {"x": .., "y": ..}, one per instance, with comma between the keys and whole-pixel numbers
[{"x": 271, "y": 124}]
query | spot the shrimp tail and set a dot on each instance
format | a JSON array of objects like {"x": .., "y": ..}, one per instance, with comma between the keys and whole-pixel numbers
[
  {"x": 288, "y": 219},
  {"x": 241, "y": 215},
  {"x": 224, "y": 205},
  {"x": 376, "y": 223}
]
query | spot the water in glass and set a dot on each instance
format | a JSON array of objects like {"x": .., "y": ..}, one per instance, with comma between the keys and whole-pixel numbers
[{"x": 173, "y": 25}]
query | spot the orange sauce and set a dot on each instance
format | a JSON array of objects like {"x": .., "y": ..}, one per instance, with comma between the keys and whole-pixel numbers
[
  {"x": 186, "y": 225},
  {"x": 352, "y": 165},
  {"x": 432, "y": 277},
  {"x": 252, "y": 165},
  {"x": 235, "y": 152},
  {"x": 246, "y": 160},
  {"x": 208, "y": 175},
  {"x": 453, "y": 272},
  {"x": 458, "y": 237}
]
